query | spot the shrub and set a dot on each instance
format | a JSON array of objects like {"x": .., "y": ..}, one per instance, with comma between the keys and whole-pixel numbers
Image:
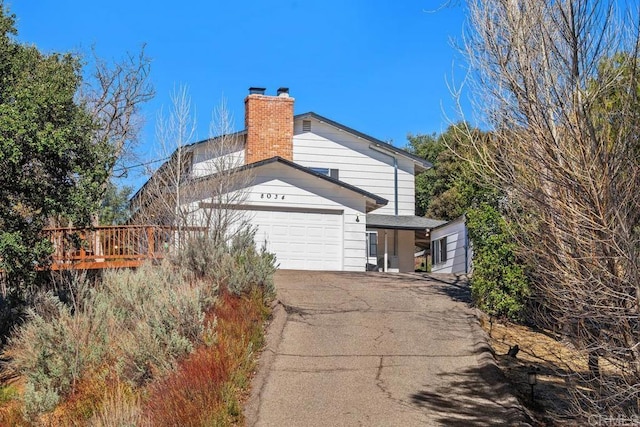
[
  {"x": 202, "y": 257},
  {"x": 248, "y": 267},
  {"x": 157, "y": 316},
  {"x": 137, "y": 325},
  {"x": 499, "y": 284},
  {"x": 144, "y": 320},
  {"x": 54, "y": 347},
  {"x": 237, "y": 265}
]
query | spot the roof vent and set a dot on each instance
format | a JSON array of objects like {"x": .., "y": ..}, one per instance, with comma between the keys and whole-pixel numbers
[
  {"x": 256, "y": 90},
  {"x": 306, "y": 126},
  {"x": 283, "y": 91}
]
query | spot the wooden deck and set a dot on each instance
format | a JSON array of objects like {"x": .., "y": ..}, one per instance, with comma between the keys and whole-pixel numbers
[{"x": 113, "y": 246}]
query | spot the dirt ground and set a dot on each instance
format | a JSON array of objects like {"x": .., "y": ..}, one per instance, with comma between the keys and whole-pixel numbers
[{"x": 540, "y": 352}]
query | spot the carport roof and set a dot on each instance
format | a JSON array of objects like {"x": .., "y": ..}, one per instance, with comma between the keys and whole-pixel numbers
[{"x": 402, "y": 222}]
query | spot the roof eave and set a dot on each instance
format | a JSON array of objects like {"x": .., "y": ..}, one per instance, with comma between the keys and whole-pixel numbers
[{"x": 377, "y": 200}]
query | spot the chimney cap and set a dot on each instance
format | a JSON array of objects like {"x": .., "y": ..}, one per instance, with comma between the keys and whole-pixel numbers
[
  {"x": 283, "y": 91},
  {"x": 256, "y": 90}
]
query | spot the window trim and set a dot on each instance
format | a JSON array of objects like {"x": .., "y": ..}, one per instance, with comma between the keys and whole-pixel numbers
[
  {"x": 439, "y": 251},
  {"x": 372, "y": 241},
  {"x": 331, "y": 173}
]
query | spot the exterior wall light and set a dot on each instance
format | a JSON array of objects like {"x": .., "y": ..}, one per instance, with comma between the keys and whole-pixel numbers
[{"x": 532, "y": 379}]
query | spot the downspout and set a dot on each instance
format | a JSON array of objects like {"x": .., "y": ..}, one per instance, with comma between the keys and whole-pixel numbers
[
  {"x": 386, "y": 253},
  {"x": 395, "y": 184},
  {"x": 466, "y": 251}
]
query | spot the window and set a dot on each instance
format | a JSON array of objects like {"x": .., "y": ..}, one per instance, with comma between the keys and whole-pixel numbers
[
  {"x": 323, "y": 171},
  {"x": 439, "y": 251},
  {"x": 372, "y": 244},
  {"x": 333, "y": 173}
]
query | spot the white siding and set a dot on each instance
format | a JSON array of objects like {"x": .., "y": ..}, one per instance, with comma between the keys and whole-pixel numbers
[
  {"x": 301, "y": 197},
  {"x": 328, "y": 147},
  {"x": 210, "y": 156},
  {"x": 457, "y": 252}
]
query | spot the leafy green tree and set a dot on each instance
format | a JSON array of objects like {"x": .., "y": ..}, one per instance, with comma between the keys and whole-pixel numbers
[
  {"x": 499, "y": 285},
  {"x": 114, "y": 209},
  {"x": 48, "y": 162},
  {"x": 447, "y": 189},
  {"x": 452, "y": 188}
]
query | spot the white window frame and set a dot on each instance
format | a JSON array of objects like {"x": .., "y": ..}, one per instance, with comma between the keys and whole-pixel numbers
[
  {"x": 439, "y": 251},
  {"x": 372, "y": 238},
  {"x": 332, "y": 173}
]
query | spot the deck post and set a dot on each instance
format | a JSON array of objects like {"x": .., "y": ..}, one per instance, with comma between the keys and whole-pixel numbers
[
  {"x": 150, "y": 241},
  {"x": 83, "y": 252}
]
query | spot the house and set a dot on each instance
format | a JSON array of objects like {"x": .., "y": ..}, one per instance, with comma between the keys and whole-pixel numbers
[
  {"x": 451, "y": 251},
  {"x": 322, "y": 196}
]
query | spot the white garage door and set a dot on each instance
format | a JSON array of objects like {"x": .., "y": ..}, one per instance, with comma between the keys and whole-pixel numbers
[{"x": 301, "y": 240}]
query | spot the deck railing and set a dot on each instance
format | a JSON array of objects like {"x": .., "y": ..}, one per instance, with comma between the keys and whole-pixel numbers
[{"x": 114, "y": 246}]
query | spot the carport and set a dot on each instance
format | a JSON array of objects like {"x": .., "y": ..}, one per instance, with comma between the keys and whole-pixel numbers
[{"x": 398, "y": 236}]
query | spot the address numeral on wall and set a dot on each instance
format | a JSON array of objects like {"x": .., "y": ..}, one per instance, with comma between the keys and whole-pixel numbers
[{"x": 272, "y": 196}]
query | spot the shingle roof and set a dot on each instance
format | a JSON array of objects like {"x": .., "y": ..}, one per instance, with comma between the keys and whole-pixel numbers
[{"x": 402, "y": 222}]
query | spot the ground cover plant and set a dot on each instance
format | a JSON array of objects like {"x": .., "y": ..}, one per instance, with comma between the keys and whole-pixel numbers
[{"x": 128, "y": 350}]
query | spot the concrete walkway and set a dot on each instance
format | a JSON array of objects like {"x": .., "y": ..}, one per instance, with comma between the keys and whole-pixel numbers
[{"x": 372, "y": 349}]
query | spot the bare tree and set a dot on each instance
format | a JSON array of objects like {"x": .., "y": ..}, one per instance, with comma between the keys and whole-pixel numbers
[
  {"x": 222, "y": 190},
  {"x": 201, "y": 184},
  {"x": 557, "y": 82},
  {"x": 113, "y": 94}
]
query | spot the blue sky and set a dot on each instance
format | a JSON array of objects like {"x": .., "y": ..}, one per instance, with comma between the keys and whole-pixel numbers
[{"x": 380, "y": 67}]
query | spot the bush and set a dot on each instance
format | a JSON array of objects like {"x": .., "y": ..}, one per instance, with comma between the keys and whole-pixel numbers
[
  {"x": 499, "y": 284},
  {"x": 54, "y": 347},
  {"x": 248, "y": 267},
  {"x": 204, "y": 391},
  {"x": 142, "y": 320},
  {"x": 135, "y": 326},
  {"x": 237, "y": 265},
  {"x": 157, "y": 315}
]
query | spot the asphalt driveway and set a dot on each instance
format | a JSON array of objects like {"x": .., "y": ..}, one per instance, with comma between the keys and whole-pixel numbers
[{"x": 349, "y": 349}]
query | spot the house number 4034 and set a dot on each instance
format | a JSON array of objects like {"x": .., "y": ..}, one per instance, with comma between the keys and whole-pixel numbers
[{"x": 272, "y": 196}]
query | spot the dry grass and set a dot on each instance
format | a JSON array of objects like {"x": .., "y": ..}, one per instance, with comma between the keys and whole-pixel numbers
[
  {"x": 151, "y": 346},
  {"x": 552, "y": 360},
  {"x": 10, "y": 407}
]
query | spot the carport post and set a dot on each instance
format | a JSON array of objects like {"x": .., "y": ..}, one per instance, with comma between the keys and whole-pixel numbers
[{"x": 386, "y": 252}]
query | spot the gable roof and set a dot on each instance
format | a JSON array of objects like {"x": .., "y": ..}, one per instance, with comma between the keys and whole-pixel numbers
[
  {"x": 420, "y": 162},
  {"x": 377, "y": 200},
  {"x": 376, "y": 142}
]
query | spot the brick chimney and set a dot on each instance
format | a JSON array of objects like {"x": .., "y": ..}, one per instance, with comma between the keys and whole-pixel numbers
[{"x": 269, "y": 124}]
